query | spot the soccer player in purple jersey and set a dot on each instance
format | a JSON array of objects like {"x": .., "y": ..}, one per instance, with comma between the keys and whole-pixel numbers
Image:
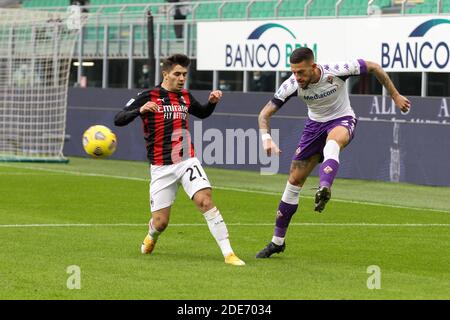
[{"x": 330, "y": 128}]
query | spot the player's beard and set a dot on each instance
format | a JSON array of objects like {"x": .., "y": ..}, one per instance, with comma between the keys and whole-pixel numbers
[{"x": 305, "y": 84}]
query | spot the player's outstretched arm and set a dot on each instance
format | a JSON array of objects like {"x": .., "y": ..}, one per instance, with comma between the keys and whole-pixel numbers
[
  {"x": 204, "y": 111},
  {"x": 126, "y": 116},
  {"x": 264, "y": 128},
  {"x": 400, "y": 101},
  {"x": 134, "y": 109}
]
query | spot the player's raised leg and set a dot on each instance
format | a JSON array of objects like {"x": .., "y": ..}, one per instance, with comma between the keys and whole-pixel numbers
[
  {"x": 300, "y": 170},
  {"x": 157, "y": 224},
  {"x": 337, "y": 139}
]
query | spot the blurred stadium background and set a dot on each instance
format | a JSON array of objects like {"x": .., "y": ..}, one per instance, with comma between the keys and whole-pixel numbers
[{"x": 409, "y": 154}]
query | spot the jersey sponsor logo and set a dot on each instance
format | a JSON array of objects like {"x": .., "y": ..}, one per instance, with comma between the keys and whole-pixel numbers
[
  {"x": 320, "y": 96},
  {"x": 171, "y": 111}
]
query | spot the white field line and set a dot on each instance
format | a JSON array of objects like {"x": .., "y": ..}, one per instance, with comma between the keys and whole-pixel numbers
[
  {"x": 87, "y": 225},
  {"x": 76, "y": 173}
]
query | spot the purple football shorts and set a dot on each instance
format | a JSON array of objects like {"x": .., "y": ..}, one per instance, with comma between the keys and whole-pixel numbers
[{"x": 314, "y": 136}]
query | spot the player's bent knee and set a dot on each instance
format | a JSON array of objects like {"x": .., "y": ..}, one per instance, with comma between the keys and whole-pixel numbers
[
  {"x": 205, "y": 203},
  {"x": 203, "y": 200},
  {"x": 161, "y": 226},
  {"x": 160, "y": 223}
]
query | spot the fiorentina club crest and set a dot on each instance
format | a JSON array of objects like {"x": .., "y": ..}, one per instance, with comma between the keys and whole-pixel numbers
[
  {"x": 330, "y": 79},
  {"x": 328, "y": 170},
  {"x": 279, "y": 214}
]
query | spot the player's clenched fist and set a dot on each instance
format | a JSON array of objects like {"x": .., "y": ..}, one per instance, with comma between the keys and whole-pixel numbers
[
  {"x": 149, "y": 107},
  {"x": 402, "y": 102},
  {"x": 215, "y": 96}
]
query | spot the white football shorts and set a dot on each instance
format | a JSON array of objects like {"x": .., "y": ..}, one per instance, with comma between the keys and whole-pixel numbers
[{"x": 166, "y": 179}]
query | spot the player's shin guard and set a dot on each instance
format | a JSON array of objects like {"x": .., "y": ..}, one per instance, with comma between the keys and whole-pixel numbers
[
  {"x": 152, "y": 231},
  {"x": 219, "y": 230},
  {"x": 288, "y": 206},
  {"x": 330, "y": 165}
]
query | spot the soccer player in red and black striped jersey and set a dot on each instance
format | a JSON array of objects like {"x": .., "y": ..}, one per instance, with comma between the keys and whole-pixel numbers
[{"x": 164, "y": 112}]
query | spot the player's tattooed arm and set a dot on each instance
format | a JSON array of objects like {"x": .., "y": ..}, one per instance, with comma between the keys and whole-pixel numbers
[
  {"x": 264, "y": 128},
  {"x": 400, "y": 101},
  {"x": 264, "y": 116}
]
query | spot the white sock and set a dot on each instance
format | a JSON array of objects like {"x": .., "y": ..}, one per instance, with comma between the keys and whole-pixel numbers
[
  {"x": 278, "y": 241},
  {"x": 152, "y": 232},
  {"x": 218, "y": 229},
  {"x": 291, "y": 195},
  {"x": 331, "y": 151}
]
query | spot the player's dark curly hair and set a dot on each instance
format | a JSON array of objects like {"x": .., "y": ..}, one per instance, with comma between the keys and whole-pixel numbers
[
  {"x": 301, "y": 54},
  {"x": 176, "y": 59}
]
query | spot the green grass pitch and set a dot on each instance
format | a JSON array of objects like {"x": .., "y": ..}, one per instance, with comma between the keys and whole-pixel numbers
[{"x": 94, "y": 214}]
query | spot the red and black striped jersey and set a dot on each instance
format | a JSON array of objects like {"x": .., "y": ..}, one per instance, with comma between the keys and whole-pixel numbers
[{"x": 166, "y": 131}]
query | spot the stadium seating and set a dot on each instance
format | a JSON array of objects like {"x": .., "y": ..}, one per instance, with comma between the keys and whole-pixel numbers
[
  {"x": 292, "y": 8},
  {"x": 234, "y": 10},
  {"x": 258, "y": 10},
  {"x": 322, "y": 8},
  {"x": 446, "y": 7},
  {"x": 353, "y": 8},
  {"x": 263, "y": 9},
  {"x": 428, "y": 6},
  {"x": 44, "y": 3},
  {"x": 206, "y": 11}
]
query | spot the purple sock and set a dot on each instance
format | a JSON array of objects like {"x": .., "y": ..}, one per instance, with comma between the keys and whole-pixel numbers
[
  {"x": 284, "y": 215},
  {"x": 327, "y": 172}
]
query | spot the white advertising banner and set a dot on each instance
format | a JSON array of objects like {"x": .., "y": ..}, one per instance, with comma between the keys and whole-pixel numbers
[{"x": 400, "y": 44}]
